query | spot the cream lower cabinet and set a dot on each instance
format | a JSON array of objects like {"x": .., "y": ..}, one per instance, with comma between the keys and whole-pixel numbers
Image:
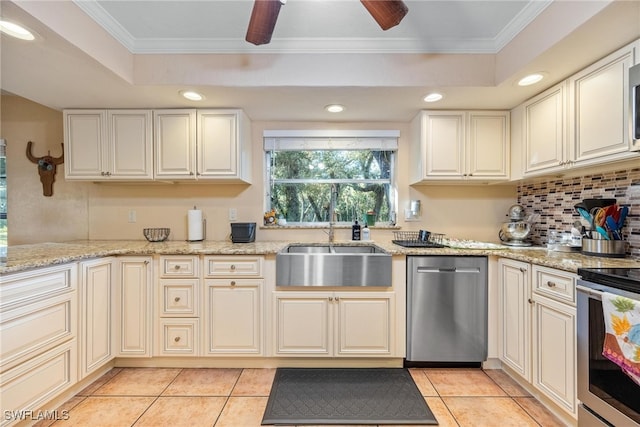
[
  {"x": 538, "y": 329},
  {"x": 233, "y": 319},
  {"x": 96, "y": 293},
  {"x": 515, "y": 315},
  {"x": 134, "y": 316},
  {"x": 330, "y": 324},
  {"x": 554, "y": 336},
  {"x": 178, "y": 302},
  {"x": 38, "y": 349}
]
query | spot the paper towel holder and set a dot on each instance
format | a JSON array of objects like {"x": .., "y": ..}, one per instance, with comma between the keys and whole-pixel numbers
[{"x": 204, "y": 229}]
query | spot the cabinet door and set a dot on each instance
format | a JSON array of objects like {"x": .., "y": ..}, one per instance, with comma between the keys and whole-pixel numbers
[
  {"x": 303, "y": 324},
  {"x": 134, "y": 304},
  {"x": 544, "y": 129},
  {"x": 96, "y": 305},
  {"x": 130, "y": 144},
  {"x": 234, "y": 316},
  {"x": 85, "y": 137},
  {"x": 488, "y": 145},
  {"x": 175, "y": 144},
  {"x": 217, "y": 142},
  {"x": 515, "y": 309},
  {"x": 364, "y": 324},
  {"x": 445, "y": 144},
  {"x": 599, "y": 107},
  {"x": 554, "y": 349}
]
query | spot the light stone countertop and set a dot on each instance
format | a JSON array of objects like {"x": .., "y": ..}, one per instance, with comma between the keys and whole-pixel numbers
[{"x": 25, "y": 257}]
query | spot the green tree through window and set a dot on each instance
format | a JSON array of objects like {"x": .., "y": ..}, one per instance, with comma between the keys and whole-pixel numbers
[{"x": 299, "y": 182}]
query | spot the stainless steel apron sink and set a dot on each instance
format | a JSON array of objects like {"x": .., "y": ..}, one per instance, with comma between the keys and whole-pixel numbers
[{"x": 333, "y": 265}]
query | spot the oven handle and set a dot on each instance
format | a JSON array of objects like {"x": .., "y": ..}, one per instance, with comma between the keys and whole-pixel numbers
[{"x": 592, "y": 293}]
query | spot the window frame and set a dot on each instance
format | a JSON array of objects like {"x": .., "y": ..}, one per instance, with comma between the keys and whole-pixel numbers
[{"x": 331, "y": 140}]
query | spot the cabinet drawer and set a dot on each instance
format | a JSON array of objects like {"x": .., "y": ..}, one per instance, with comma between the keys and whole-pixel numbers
[
  {"x": 179, "y": 336},
  {"x": 179, "y": 266},
  {"x": 555, "y": 284},
  {"x": 35, "y": 382},
  {"x": 233, "y": 266},
  {"x": 179, "y": 298},
  {"x": 29, "y": 287},
  {"x": 33, "y": 328}
]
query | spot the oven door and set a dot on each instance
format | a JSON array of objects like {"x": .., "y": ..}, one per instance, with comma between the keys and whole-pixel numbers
[{"x": 603, "y": 388}]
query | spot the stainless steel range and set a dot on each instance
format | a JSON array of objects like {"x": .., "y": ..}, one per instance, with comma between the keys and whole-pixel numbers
[{"x": 608, "y": 396}]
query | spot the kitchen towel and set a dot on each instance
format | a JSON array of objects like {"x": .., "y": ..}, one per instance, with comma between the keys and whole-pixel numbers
[
  {"x": 194, "y": 225},
  {"x": 622, "y": 333}
]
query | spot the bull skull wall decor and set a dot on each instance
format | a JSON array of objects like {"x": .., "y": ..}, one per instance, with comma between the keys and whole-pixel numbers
[{"x": 46, "y": 168}]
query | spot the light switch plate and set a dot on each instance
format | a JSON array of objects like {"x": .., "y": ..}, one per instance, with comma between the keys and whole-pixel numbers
[{"x": 233, "y": 214}]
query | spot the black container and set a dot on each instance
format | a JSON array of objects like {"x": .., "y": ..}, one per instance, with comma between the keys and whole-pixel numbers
[{"x": 243, "y": 232}]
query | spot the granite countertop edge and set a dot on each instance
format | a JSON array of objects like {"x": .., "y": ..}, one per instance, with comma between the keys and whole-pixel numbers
[{"x": 26, "y": 257}]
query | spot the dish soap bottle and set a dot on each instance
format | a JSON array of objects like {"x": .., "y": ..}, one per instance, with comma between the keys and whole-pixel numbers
[
  {"x": 366, "y": 234},
  {"x": 355, "y": 231}
]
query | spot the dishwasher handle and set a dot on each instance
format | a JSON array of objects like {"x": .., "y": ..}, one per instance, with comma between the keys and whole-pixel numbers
[{"x": 448, "y": 270}]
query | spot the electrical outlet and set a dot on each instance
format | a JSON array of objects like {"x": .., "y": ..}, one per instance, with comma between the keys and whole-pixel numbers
[
  {"x": 233, "y": 214},
  {"x": 132, "y": 216}
]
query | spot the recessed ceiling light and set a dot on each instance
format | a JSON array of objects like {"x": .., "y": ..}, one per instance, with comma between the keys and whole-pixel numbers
[
  {"x": 334, "y": 108},
  {"x": 15, "y": 30},
  {"x": 530, "y": 79},
  {"x": 433, "y": 97},
  {"x": 191, "y": 95}
]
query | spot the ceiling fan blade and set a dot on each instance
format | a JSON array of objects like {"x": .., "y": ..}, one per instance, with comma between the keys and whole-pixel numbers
[
  {"x": 263, "y": 20},
  {"x": 387, "y": 13}
]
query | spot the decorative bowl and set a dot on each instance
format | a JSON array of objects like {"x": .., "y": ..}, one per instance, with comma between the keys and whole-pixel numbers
[{"x": 156, "y": 234}]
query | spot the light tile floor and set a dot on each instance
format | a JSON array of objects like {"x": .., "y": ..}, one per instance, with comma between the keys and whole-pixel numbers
[{"x": 157, "y": 397}]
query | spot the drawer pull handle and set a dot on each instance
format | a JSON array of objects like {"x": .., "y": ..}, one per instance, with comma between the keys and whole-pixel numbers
[
  {"x": 551, "y": 284},
  {"x": 177, "y": 339},
  {"x": 176, "y": 299},
  {"x": 233, "y": 283},
  {"x": 233, "y": 266}
]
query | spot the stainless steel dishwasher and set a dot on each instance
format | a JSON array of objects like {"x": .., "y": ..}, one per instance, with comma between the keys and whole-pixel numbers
[{"x": 446, "y": 309}]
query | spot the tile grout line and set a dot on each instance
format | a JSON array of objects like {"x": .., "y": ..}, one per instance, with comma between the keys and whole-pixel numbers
[{"x": 156, "y": 398}]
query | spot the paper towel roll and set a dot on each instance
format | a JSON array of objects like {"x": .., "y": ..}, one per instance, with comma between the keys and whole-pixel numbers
[{"x": 194, "y": 225}]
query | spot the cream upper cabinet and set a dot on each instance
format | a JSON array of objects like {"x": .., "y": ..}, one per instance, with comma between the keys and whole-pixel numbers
[
  {"x": 334, "y": 323},
  {"x": 96, "y": 315},
  {"x": 202, "y": 145},
  {"x": 515, "y": 314},
  {"x": 223, "y": 142},
  {"x": 582, "y": 121},
  {"x": 544, "y": 131},
  {"x": 108, "y": 145},
  {"x": 460, "y": 145},
  {"x": 599, "y": 108},
  {"x": 175, "y": 144}
]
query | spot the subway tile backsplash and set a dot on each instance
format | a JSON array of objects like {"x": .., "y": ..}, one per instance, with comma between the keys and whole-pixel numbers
[{"x": 554, "y": 201}]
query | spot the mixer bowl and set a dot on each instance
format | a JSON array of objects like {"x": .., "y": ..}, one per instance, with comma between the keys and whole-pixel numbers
[{"x": 514, "y": 231}]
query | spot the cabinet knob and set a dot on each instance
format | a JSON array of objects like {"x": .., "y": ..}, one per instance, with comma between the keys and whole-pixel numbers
[
  {"x": 176, "y": 339},
  {"x": 177, "y": 267},
  {"x": 337, "y": 298},
  {"x": 530, "y": 301},
  {"x": 330, "y": 298},
  {"x": 551, "y": 284},
  {"x": 233, "y": 283},
  {"x": 176, "y": 299},
  {"x": 191, "y": 173},
  {"x": 523, "y": 270},
  {"x": 233, "y": 267},
  {"x": 146, "y": 263}
]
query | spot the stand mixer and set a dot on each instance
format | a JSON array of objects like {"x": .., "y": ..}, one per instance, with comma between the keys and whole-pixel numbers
[{"x": 514, "y": 232}]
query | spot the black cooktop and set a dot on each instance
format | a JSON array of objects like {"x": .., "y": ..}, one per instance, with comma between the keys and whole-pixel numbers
[{"x": 621, "y": 278}]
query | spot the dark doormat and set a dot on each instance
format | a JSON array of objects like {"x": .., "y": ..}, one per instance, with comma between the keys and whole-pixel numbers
[{"x": 345, "y": 396}]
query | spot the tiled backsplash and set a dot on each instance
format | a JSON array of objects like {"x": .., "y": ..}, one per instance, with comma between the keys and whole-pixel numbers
[{"x": 554, "y": 201}]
